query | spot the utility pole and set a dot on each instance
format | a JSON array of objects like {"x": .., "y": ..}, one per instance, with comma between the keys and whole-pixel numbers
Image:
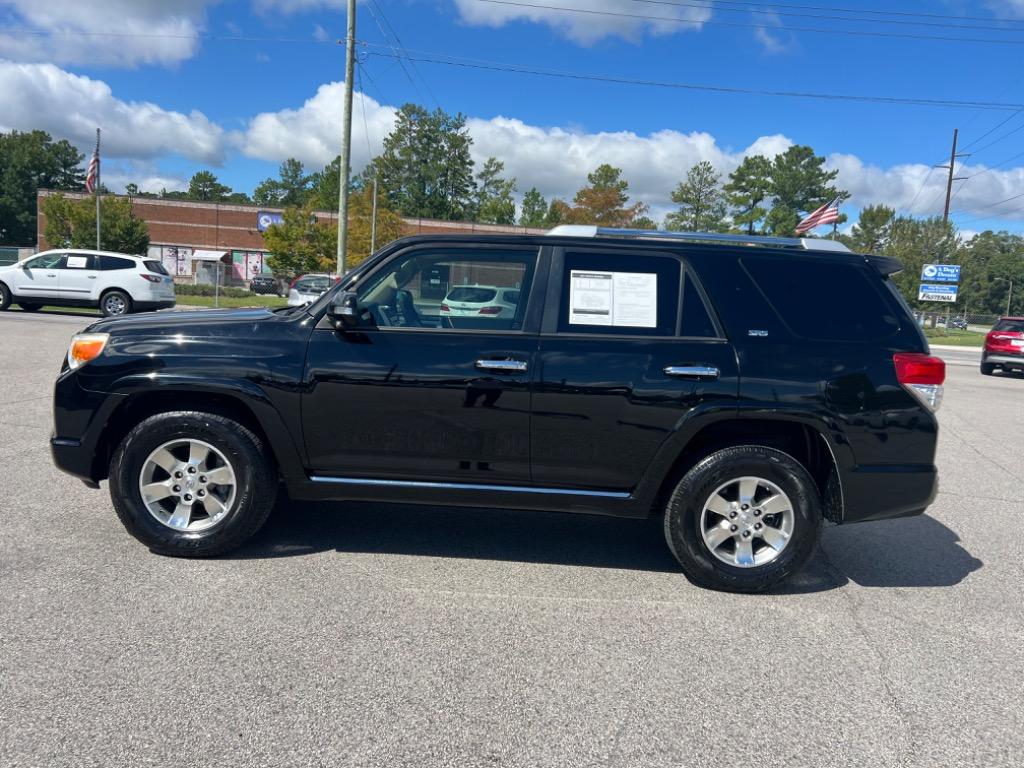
[
  {"x": 346, "y": 137},
  {"x": 951, "y": 178}
]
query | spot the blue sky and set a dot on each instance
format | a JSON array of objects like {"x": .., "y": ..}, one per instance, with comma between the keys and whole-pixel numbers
[{"x": 177, "y": 103}]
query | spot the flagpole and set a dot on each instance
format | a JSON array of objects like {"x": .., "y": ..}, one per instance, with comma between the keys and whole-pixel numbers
[{"x": 97, "y": 189}]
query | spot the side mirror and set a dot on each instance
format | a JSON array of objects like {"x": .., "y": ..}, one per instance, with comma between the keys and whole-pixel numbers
[{"x": 344, "y": 311}]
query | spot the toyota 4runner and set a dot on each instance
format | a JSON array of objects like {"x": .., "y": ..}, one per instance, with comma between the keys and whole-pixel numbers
[{"x": 744, "y": 389}]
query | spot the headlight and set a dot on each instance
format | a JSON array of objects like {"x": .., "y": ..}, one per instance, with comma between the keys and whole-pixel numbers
[{"x": 85, "y": 347}]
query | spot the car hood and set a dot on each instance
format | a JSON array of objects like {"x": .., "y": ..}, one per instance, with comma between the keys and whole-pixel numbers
[{"x": 196, "y": 321}]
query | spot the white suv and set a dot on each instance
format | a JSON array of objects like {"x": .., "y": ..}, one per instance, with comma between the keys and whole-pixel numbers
[{"x": 115, "y": 282}]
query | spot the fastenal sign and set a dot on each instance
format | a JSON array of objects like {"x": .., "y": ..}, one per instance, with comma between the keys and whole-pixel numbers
[
  {"x": 946, "y": 293},
  {"x": 941, "y": 273}
]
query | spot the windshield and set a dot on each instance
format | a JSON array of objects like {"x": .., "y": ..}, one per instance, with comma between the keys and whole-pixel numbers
[
  {"x": 313, "y": 284},
  {"x": 1010, "y": 325}
]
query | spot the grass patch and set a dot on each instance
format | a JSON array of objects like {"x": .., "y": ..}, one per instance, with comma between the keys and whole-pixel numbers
[
  {"x": 954, "y": 337},
  {"x": 230, "y": 302}
]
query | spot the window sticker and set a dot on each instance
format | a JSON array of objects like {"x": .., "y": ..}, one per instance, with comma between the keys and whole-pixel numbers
[
  {"x": 622, "y": 299},
  {"x": 77, "y": 262}
]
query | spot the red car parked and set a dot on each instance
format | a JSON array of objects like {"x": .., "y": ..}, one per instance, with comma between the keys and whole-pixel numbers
[{"x": 1004, "y": 346}]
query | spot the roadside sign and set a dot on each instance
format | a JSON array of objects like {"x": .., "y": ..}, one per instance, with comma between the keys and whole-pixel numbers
[
  {"x": 941, "y": 273},
  {"x": 946, "y": 293}
]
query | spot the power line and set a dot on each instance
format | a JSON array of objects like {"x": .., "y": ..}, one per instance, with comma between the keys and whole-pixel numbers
[
  {"x": 769, "y": 27},
  {"x": 993, "y": 129},
  {"x": 768, "y": 10},
  {"x": 427, "y": 57},
  {"x": 379, "y": 15},
  {"x": 916, "y": 14},
  {"x": 991, "y": 205}
]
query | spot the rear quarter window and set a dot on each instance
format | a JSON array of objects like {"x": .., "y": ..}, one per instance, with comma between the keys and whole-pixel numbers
[
  {"x": 112, "y": 263},
  {"x": 825, "y": 300},
  {"x": 155, "y": 267}
]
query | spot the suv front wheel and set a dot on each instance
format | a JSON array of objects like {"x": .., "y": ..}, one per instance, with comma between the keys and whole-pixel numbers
[
  {"x": 743, "y": 519},
  {"x": 192, "y": 484}
]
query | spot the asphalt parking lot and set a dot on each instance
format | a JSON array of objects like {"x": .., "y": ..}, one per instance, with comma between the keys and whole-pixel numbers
[{"x": 387, "y": 636}]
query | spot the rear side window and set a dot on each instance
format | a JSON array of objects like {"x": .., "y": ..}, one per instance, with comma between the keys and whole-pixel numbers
[
  {"x": 627, "y": 294},
  {"x": 1014, "y": 326},
  {"x": 112, "y": 263},
  {"x": 156, "y": 267},
  {"x": 824, "y": 300},
  {"x": 696, "y": 320}
]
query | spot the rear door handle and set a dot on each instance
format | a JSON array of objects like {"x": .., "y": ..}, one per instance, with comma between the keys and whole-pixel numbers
[
  {"x": 502, "y": 366},
  {"x": 691, "y": 371}
]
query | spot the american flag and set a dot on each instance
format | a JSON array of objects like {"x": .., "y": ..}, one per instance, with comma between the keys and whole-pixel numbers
[
  {"x": 92, "y": 176},
  {"x": 827, "y": 214}
]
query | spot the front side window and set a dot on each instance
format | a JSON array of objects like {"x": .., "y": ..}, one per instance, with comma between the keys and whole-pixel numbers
[
  {"x": 459, "y": 289},
  {"x": 45, "y": 261},
  {"x": 623, "y": 294}
]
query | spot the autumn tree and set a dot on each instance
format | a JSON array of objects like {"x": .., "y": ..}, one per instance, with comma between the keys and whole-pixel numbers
[
  {"x": 701, "y": 202},
  {"x": 603, "y": 202},
  {"x": 360, "y": 226}
]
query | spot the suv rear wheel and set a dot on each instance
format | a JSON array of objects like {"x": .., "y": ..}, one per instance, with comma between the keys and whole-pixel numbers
[
  {"x": 987, "y": 369},
  {"x": 115, "y": 303},
  {"x": 743, "y": 519},
  {"x": 192, "y": 484},
  {"x": 5, "y": 297}
]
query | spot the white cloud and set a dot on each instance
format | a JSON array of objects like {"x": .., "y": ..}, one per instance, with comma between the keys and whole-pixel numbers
[
  {"x": 772, "y": 42},
  {"x": 74, "y": 31},
  {"x": 117, "y": 175},
  {"x": 587, "y": 28},
  {"x": 557, "y": 160},
  {"x": 320, "y": 34},
  {"x": 312, "y": 133},
  {"x": 72, "y": 107}
]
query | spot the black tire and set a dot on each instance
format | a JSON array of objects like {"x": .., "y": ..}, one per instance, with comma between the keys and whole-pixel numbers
[
  {"x": 683, "y": 518},
  {"x": 987, "y": 369},
  {"x": 5, "y": 297},
  {"x": 111, "y": 300},
  {"x": 25, "y": 307},
  {"x": 255, "y": 475}
]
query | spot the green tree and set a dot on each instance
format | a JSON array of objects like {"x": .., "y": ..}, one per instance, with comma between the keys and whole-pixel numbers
[
  {"x": 533, "y": 209},
  {"x": 558, "y": 213},
  {"x": 324, "y": 186},
  {"x": 605, "y": 201},
  {"x": 748, "y": 190},
  {"x": 30, "y": 162},
  {"x": 800, "y": 183},
  {"x": 989, "y": 262},
  {"x": 301, "y": 243},
  {"x": 290, "y": 189},
  {"x": 72, "y": 224},
  {"x": 871, "y": 232},
  {"x": 701, "y": 202},
  {"x": 426, "y": 169},
  {"x": 204, "y": 186},
  {"x": 360, "y": 225},
  {"x": 495, "y": 203},
  {"x": 916, "y": 242}
]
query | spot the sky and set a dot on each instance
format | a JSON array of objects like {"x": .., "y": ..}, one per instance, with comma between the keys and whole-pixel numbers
[{"x": 237, "y": 86}]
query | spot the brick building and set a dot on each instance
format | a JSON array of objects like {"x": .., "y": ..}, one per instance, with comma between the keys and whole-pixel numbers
[{"x": 179, "y": 228}]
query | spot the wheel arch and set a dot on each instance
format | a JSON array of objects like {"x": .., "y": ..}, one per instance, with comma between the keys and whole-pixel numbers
[
  {"x": 804, "y": 442},
  {"x": 259, "y": 416}
]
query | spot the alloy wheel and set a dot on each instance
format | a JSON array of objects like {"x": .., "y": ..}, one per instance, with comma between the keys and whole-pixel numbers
[
  {"x": 747, "y": 522},
  {"x": 187, "y": 485}
]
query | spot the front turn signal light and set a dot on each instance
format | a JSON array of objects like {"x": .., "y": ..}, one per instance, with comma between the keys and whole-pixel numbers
[{"x": 86, "y": 347}]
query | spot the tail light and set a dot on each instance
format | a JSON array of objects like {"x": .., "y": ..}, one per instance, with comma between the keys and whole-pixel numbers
[
  {"x": 445, "y": 308},
  {"x": 490, "y": 310},
  {"x": 921, "y": 375},
  {"x": 152, "y": 278}
]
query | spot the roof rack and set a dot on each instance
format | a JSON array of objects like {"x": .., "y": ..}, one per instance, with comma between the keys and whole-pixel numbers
[{"x": 804, "y": 243}]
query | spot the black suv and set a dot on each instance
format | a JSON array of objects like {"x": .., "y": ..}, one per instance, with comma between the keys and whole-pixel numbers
[{"x": 745, "y": 389}]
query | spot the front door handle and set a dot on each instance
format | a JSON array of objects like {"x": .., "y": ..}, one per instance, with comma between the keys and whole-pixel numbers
[
  {"x": 502, "y": 366},
  {"x": 91, "y": 277},
  {"x": 691, "y": 371}
]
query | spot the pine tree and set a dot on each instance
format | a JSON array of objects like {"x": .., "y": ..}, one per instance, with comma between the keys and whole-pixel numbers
[
  {"x": 605, "y": 201},
  {"x": 800, "y": 184},
  {"x": 534, "y": 209},
  {"x": 748, "y": 189},
  {"x": 701, "y": 203},
  {"x": 494, "y": 196}
]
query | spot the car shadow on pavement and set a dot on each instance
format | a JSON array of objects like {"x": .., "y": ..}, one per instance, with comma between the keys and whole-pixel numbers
[{"x": 911, "y": 552}]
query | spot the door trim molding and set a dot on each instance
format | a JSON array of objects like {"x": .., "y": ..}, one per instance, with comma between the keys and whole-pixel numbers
[{"x": 468, "y": 487}]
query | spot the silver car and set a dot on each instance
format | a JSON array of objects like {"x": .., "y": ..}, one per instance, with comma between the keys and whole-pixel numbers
[{"x": 308, "y": 288}]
